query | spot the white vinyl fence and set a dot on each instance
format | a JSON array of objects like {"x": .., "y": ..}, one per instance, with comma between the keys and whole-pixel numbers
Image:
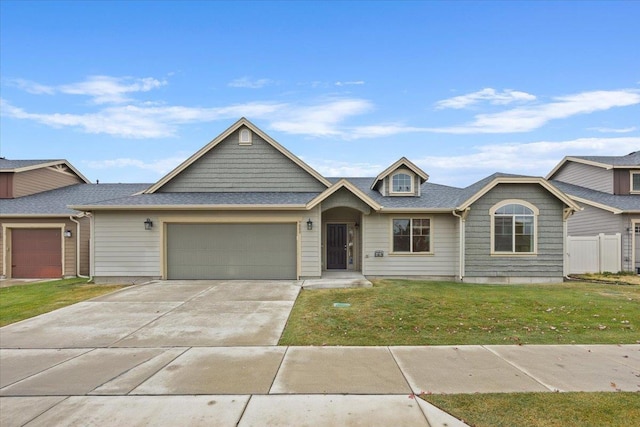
[{"x": 594, "y": 254}]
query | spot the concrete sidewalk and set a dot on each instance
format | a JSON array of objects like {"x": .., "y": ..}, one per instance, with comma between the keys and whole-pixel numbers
[{"x": 271, "y": 385}]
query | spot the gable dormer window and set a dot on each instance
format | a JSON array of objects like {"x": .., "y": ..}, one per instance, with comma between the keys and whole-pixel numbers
[
  {"x": 245, "y": 137},
  {"x": 401, "y": 183}
]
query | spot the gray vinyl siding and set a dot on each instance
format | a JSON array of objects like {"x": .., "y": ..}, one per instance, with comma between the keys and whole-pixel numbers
[
  {"x": 593, "y": 177},
  {"x": 376, "y": 230},
  {"x": 230, "y": 167},
  {"x": 344, "y": 198},
  {"x": 39, "y": 180},
  {"x": 548, "y": 262},
  {"x": 592, "y": 221}
]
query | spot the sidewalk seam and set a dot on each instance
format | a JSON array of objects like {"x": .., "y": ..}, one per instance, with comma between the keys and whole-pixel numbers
[{"x": 523, "y": 370}]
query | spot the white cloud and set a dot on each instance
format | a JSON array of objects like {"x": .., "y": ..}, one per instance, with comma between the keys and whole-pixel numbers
[
  {"x": 614, "y": 130},
  {"x": 140, "y": 121},
  {"x": 525, "y": 119},
  {"x": 160, "y": 167},
  {"x": 351, "y": 83},
  {"x": 487, "y": 94},
  {"x": 246, "y": 82},
  {"x": 529, "y": 157},
  {"x": 103, "y": 89},
  {"x": 322, "y": 119}
]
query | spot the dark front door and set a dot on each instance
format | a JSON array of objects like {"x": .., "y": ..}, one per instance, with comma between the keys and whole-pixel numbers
[{"x": 336, "y": 246}]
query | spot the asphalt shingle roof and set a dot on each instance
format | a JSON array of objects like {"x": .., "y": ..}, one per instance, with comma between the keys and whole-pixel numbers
[
  {"x": 55, "y": 202},
  {"x": 626, "y": 203},
  {"x": 10, "y": 165},
  {"x": 631, "y": 159}
]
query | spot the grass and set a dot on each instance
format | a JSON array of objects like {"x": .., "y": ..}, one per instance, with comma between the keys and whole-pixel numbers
[
  {"x": 542, "y": 409},
  {"x": 25, "y": 301},
  {"x": 396, "y": 312}
]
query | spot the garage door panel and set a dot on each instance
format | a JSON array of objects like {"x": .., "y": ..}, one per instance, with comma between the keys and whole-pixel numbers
[
  {"x": 36, "y": 253},
  {"x": 231, "y": 251}
]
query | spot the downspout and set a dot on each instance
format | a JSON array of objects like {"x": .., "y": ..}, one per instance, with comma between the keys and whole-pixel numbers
[
  {"x": 566, "y": 213},
  {"x": 78, "y": 249},
  {"x": 461, "y": 246}
]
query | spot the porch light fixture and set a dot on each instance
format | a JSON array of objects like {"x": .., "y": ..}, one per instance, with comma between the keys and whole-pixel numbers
[
  {"x": 67, "y": 233},
  {"x": 309, "y": 224},
  {"x": 148, "y": 224}
]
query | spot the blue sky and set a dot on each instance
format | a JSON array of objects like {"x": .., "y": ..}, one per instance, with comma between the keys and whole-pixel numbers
[{"x": 127, "y": 90}]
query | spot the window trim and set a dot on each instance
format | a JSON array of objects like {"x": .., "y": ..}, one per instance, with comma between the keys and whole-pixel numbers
[
  {"x": 631, "y": 174},
  {"x": 492, "y": 216},
  {"x": 410, "y": 253},
  {"x": 247, "y": 141},
  {"x": 412, "y": 178}
]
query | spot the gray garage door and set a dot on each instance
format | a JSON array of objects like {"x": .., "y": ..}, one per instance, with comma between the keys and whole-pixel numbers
[{"x": 231, "y": 251}]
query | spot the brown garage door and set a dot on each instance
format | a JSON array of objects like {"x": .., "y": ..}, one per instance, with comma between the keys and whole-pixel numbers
[{"x": 36, "y": 253}]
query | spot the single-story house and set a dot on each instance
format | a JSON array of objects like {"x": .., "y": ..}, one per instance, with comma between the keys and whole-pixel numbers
[
  {"x": 41, "y": 237},
  {"x": 608, "y": 189},
  {"x": 244, "y": 207}
]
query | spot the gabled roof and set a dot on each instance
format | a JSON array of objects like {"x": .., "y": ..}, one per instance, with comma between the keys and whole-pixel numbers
[
  {"x": 343, "y": 183},
  {"x": 7, "y": 165},
  {"x": 56, "y": 202},
  {"x": 399, "y": 163},
  {"x": 631, "y": 160},
  {"x": 480, "y": 188},
  {"x": 204, "y": 150},
  {"x": 613, "y": 203}
]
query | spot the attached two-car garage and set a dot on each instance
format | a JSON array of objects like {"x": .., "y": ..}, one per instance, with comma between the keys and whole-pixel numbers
[{"x": 231, "y": 251}]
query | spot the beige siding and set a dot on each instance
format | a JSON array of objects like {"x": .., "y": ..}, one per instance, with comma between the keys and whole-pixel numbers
[
  {"x": 376, "y": 229},
  {"x": 69, "y": 244},
  {"x": 230, "y": 167},
  {"x": 593, "y": 177},
  {"x": 123, "y": 248},
  {"x": 39, "y": 180}
]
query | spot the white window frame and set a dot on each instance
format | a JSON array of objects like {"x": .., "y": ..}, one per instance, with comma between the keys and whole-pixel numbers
[
  {"x": 411, "y": 179},
  {"x": 392, "y": 251},
  {"x": 631, "y": 189},
  {"x": 492, "y": 214}
]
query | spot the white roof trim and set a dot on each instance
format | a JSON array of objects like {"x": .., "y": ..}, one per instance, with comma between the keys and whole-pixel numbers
[
  {"x": 49, "y": 164},
  {"x": 584, "y": 162},
  {"x": 343, "y": 183},
  {"x": 520, "y": 180},
  {"x": 242, "y": 122},
  {"x": 597, "y": 205},
  {"x": 402, "y": 161}
]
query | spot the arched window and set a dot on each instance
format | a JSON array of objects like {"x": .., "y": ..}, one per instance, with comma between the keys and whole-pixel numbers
[
  {"x": 513, "y": 227},
  {"x": 401, "y": 183},
  {"x": 245, "y": 137}
]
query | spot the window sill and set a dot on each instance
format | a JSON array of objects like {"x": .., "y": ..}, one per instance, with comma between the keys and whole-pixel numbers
[{"x": 514, "y": 254}]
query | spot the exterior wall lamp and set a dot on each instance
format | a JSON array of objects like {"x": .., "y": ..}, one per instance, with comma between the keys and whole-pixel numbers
[
  {"x": 67, "y": 233},
  {"x": 309, "y": 224},
  {"x": 148, "y": 224}
]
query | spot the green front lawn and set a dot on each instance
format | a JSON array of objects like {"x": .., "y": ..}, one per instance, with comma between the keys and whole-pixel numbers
[
  {"x": 25, "y": 301},
  {"x": 542, "y": 409},
  {"x": 404, "y": 312}
]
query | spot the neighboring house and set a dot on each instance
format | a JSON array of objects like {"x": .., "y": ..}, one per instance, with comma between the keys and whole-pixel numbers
[
  {"x": 608, "y": 188},
  {"x": 244, "y": 207},
  {"x": 40, "y": 236}
]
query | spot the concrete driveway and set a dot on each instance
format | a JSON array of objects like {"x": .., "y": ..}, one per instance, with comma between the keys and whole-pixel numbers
[{"x": 165, "y": 314}]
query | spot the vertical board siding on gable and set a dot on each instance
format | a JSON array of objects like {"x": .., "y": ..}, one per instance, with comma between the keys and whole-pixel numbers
[
  {"x": 230, "y": 167},
  {"x": 39, "y": 180},
  {"x": 550, "y": 257},
  {"x": 122, "y": 246},
  {"x": 376, "y": 230},
  {"x": 593, "y": 177},
  {"x": 622, "y": 181}
]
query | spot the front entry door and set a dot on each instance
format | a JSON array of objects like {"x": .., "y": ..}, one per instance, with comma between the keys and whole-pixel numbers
[{"x": 336, "y": 246}]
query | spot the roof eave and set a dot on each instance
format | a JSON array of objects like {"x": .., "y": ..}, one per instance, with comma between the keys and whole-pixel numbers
[
  {"x": 186, "y": 207},
  {"x": 343, "y": 183}
]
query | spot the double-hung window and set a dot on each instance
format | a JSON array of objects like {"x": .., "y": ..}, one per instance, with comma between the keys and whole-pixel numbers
[
  {"x": 411, "y": 235},
  {"x": 514, "y": 228}
]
